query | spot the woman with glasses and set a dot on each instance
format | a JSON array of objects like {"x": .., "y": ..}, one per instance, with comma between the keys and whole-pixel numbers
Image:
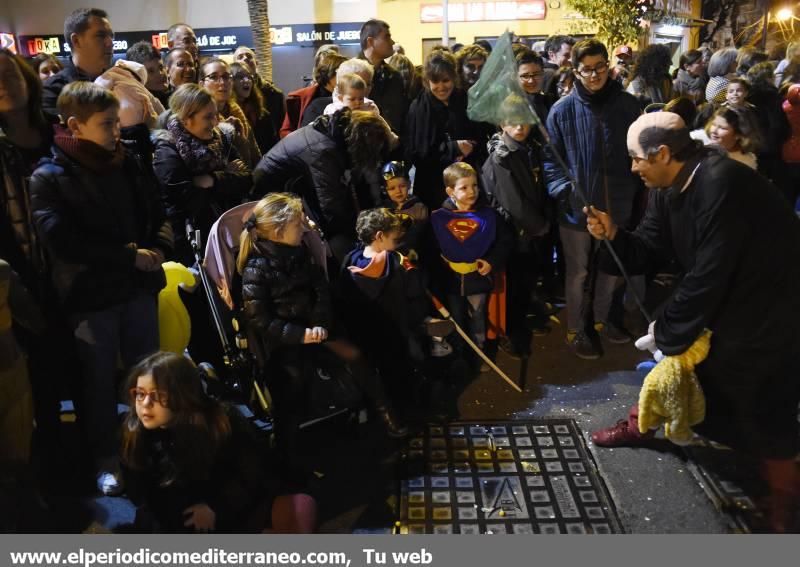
[
  {"x": 192, "y": 464},
  {"x": 216, "y": 76},
  {"x": 251, "y": 101}
]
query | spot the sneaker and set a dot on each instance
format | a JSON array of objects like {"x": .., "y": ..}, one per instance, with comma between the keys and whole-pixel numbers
[
  {"x": 440, "y": 348},
  {"x": 507, "y": 346},
  {"x": 438, "y": 327},
  {"x": 613, "y": 334},
  {"x": 581, "y": 345},
  {"x": 109, "y": 482},
  {"x": 621, "y": 435}
]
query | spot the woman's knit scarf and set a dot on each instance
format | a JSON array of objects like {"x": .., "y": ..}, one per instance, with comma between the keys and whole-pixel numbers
[{"x": 200, "y": 156}]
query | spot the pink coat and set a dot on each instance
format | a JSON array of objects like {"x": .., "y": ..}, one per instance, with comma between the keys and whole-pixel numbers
[{"x": 126, "y": 79}]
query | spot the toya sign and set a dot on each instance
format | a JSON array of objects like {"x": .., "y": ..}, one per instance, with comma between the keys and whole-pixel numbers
[{"x": 484, "y": 11}]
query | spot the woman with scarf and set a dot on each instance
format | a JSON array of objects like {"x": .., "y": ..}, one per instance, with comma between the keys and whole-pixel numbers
[
  {"x": 438, "y": 131},
  {"x": 216, "y": 76},
  {"x": 198, "y": 167}
]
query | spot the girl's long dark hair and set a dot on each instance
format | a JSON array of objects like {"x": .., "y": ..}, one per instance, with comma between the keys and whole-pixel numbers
[
  {"x": 199, "y": 423},
  {"x": 36, "y": 117}
]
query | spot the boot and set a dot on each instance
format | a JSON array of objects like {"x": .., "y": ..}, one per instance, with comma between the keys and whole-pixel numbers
[
  {"x": 394, "y": 428},
  {"x": 784, "y": 490}
]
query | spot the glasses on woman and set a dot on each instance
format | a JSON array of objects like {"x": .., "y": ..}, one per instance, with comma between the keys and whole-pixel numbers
[
  {"x": 140, "y": 396},
  {"x": 243, "y": 77},
  {"x": 598, "y": 70},
  {"x": 225, "y": 78}
]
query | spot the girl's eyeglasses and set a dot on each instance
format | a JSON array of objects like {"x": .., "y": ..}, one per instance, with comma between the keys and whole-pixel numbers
[{"x": 140, "y": 396}]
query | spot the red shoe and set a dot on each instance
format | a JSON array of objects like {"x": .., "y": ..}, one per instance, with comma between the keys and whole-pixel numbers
[{"x": 623, "y": 434}]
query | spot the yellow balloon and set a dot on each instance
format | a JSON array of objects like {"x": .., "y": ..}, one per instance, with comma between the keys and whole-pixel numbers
[{"x": 174, "y": 325}]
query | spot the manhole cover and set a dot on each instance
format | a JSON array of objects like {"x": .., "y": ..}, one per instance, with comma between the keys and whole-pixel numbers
[{"x": 522, "y": 477}]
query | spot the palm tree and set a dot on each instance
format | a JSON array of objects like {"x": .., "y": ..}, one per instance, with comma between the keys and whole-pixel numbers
[{"x": 258, "y": 11}]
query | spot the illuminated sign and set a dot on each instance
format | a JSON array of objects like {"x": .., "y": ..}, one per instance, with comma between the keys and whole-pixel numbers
[
  {"x": 210, "y": 40},
  {"x": 484, "y": 11},
  {"x": 7, "y": 41}
]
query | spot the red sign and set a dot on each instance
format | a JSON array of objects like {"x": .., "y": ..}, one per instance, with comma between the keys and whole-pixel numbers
[
  {"x": 7, "y": 41},
  {"x": 484, "y": 11}
]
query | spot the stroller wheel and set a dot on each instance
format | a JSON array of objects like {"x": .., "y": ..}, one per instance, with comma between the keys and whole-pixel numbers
[{"x": 209, "y": 370}]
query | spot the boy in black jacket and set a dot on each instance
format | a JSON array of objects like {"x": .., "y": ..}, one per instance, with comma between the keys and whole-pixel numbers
[
  {"x": 513, "y": 183},
  {"x": 97, "y": 212}
]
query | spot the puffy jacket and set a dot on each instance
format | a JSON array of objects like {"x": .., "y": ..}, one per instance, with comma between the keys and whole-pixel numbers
[
  {"x": 283, "y": 294},
  {"x": 592, "y": 140},
  {"x": 87, "y": 221},
  {"x": 512, "y": 178},
  {"x": 312, "y": 162},
  {"x": 183, "y": 201}
]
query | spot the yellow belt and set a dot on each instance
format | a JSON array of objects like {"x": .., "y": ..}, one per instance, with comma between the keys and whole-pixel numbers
[{"x": 462, "y": 267}]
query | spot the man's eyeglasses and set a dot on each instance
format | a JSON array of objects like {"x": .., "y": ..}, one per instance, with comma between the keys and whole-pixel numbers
[
  {"x": 598, "y": 70},
  {"x": 226, "y": 78},
  {"x": 531, "y": 77},
  {"x": 140, "y": 396}
]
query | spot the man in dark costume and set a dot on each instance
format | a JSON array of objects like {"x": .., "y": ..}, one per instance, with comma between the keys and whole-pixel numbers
[{"x": 739, "y": 247}]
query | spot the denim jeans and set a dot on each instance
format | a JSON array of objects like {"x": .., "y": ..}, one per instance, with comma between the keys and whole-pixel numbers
[{"x": 127, "y": 332}]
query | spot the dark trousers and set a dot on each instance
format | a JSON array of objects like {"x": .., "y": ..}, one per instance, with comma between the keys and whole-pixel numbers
[
  {"x": 522, "y": 272},
  {"x": 127, "y": 331},
  {"x": 579, "y": 252}
]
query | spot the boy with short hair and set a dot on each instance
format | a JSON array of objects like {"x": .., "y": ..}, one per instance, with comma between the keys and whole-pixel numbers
[
  {"x": 513, "y": 181},
  {"x": 737, "y": 93},
  {"x": 473, "y": 244},
  {"x": 99, "y": 216}
]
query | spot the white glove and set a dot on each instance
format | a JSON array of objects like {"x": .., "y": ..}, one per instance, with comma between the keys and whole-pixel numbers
[{"x": 648, "y": 342}]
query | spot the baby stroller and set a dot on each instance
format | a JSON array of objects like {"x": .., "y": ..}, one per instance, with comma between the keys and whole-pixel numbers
[{"x": 332, "y": 392}]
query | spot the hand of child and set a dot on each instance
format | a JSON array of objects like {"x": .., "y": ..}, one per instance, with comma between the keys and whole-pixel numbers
[
  {"x": 204, "y": 181},
  {"x": 314, "y": 336},
  {"x": 320, "y": 332},
  {"x": 200, "y": 517},
  {"x": 145, "y": 260},
  {"x": 484, "y": 267},
  {"x": 465, "y": 147}
]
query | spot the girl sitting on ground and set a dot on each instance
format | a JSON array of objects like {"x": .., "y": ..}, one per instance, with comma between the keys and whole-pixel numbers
[{"x": 191, "y": 464}]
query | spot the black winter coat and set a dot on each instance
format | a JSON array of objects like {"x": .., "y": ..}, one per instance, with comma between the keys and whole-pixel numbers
[
  {"x": 389, "y": 93},
  {"x": 183, "y": 201},
  {"x": 86, "y": 222},
  {"x": 514, "y": 184},
  {"x": 432, "y": 133},
  {"x": 283, "y": 293},
  {"x": 54, "y": 85},
  {"x": 313, "y": 163},
  {"x": 235, "y": 482},
  {"x": 738, "y": 244}
]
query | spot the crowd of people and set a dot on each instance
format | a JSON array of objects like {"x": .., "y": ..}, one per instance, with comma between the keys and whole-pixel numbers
[{"x": 105, "y": 162}]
